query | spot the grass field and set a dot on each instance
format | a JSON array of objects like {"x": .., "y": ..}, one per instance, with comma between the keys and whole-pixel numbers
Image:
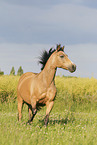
[{"x": 73, "y": 120}]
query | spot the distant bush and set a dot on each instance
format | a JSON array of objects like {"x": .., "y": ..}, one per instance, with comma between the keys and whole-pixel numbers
[
  {"x": 1, "y": 73},
  {"x": 8, "y": 88},
  {"x": 78, "y": 90}
]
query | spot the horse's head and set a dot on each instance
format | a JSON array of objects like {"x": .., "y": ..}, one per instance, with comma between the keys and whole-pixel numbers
[{"x": 61, "y": 60}]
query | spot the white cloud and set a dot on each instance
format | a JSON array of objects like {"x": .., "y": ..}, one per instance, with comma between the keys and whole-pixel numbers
[{"x": 61, "y": 22}]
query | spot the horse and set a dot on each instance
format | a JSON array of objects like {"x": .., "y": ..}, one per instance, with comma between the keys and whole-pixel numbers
[{"x": 38, "y": 89}]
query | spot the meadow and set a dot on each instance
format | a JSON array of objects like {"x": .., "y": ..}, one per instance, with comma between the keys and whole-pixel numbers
[{"x": 73, "y": 120}]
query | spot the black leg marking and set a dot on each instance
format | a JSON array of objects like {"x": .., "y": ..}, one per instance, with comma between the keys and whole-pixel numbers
[
  {"x": 34, "y": 111},
  {"x": 46, "y": 120}
]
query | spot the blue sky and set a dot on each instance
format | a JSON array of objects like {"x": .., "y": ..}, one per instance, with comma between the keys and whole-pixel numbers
[{"x": 28, "y": 26}]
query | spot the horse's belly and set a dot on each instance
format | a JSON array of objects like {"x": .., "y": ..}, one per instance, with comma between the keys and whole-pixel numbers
[{"x": 44, "y": 100}]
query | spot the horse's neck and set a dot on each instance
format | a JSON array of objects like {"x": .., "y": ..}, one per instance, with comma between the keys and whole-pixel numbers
[{"x": 48, "y": 73}]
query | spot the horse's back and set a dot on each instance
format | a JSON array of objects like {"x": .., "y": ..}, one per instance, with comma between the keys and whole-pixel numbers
[{"x": 26, "y": 75}]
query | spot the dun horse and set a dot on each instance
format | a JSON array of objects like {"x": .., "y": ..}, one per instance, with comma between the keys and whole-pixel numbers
[{"x": 36, "y": 89}]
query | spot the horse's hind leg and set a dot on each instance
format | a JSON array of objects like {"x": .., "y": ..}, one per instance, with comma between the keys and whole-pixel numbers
[
  {"x": 30, "y": 111},
  {"x": 20, "y": 105}
]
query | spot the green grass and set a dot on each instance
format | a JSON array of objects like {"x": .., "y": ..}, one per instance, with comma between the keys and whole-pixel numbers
[
  {"x": 73, "y": 120},
  {"x": 65, "y": 127}
]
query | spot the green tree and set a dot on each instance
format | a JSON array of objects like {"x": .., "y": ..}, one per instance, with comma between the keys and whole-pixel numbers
[
  {"x": 1, "y": 72},
  {"x": 20, "y": 71},
  {"x": 12, "y": 72}
]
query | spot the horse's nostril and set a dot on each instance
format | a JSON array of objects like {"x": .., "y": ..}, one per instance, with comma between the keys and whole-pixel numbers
[{"x": 74, "y": 67}]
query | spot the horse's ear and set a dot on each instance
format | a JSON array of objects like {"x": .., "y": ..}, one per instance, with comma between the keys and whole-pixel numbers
[{"x": 58, "y": 47}]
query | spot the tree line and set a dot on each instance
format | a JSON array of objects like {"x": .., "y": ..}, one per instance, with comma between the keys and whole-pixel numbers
[
  {"x": 1, "y": 72},
  {"x": 12, "y": 72},
  {"x": 19, "y": 72}
]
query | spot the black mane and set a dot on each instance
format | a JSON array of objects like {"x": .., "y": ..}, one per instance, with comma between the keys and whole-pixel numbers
[{"x": 45, "y": 56}]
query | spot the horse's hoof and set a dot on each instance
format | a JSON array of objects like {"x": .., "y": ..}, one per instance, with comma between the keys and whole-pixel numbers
[{"x": 28, "y": 123}]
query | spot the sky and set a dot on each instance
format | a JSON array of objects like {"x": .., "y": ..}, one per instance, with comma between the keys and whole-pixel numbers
[{"x": 27, "y": 27}]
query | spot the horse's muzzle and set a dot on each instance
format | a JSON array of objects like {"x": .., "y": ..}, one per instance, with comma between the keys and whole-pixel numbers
[{"x": 72, "y": 68}]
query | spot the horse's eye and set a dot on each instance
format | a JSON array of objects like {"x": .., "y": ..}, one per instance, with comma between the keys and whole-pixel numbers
[{"x": 61, "y": 56}]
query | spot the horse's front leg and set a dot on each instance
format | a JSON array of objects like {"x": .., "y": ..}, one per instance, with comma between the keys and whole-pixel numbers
[
  {"x": 34, "y": 111},
  {"x": 49, "y": 108}
]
